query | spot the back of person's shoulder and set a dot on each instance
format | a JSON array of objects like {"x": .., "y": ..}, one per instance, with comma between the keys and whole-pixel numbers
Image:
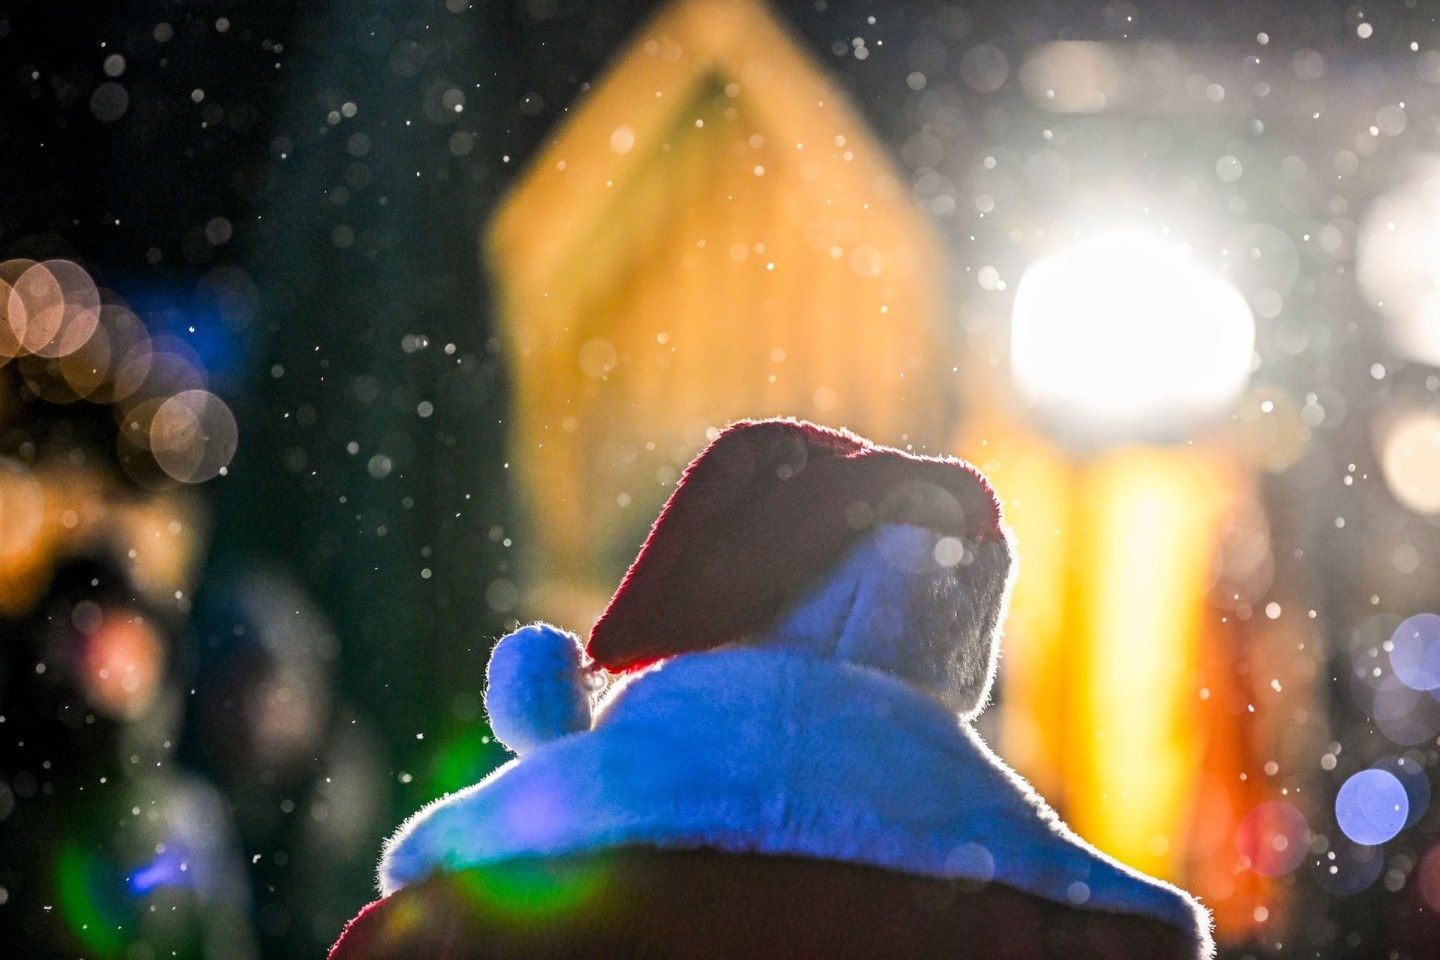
[{"x": 691, "y": 904}]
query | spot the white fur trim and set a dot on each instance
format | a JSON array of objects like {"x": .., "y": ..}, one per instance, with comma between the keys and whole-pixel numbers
[
  {"x": 766, "y": 751},
  {"x": 536, "y": 687}
]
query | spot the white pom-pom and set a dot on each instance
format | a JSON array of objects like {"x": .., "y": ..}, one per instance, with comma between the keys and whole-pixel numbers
[{"x": 537, "y": 687}]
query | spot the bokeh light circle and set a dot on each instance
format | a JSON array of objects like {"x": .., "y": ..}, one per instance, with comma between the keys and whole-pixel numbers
[
  {"x": 79, "y": 308},
  {"x": 109, "y": 102},
  {"x": 1406, "y": 716},
  {"x": 13, "y": 315},
  {"x": 1429, "y": 877},
  {"x": 193, "y": 436},
  {"x": 1410, "y": 459},
  {"x": 1415, "y": 652},
  {"x": 170, "y": 371},
  {"x": 135, "y": 420},
  {"x": 35, "y": 308},
  {"x": 1372, "y": 807},
  {"x": 87, "y": 369},
  {"x": 1410, "y": 771},
  {"x": 1273, "y": 837},
  {"x": 53, "y": 308},
  {"x": 1348, "y": 868},
  {"x": 134, "y": 355},
  {"x": 984, "y": 68}
]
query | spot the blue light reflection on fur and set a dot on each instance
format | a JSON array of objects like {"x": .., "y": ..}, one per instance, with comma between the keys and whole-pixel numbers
[
  {"x": 736, "y": 750},
  {"x": 170, "y": 868}
]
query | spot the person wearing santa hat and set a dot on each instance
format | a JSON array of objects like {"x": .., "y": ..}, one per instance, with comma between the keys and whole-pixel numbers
[{"x": 781, "y": 763}]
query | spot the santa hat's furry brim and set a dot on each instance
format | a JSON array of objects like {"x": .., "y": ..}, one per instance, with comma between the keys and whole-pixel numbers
[
  {"x": 757, "y": 516},
  {"x": 758, "y": 750}
]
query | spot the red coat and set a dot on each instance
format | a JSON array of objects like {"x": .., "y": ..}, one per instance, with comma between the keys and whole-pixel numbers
[
  {"x": 637, "y": 903},
  {"x": 754, "y": 803}
]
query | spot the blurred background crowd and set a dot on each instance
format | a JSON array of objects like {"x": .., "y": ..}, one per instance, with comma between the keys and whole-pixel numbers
[{"x": 338, "y": 338}]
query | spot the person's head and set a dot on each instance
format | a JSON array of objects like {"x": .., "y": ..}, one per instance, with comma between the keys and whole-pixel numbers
[{"x": 783, "y": 532}]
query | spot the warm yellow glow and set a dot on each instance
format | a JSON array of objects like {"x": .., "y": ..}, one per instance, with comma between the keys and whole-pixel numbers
[
  {"x": 1036, "y": 486},
  {"x": 1125, "y": 686},
  {"x": 1410, "y": 456},
  {"x": 61, "y": 510},
  {"x": 22, "y": 507},
  {"x": 168, "y": 533},
  {"x": 1123, "y": 335},
  {"x": 713, "y": 234},
  {"x": 1103, "y": 641},
  {"x": 1143, "y": 549},
  {"x": 26, "y": 542}
]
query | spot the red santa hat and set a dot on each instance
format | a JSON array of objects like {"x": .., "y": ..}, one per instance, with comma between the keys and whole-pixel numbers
[
  {"x": 786, "y": 533},
  {"x": 858, "y": 591},
  {"x": 759, "y": 516}
]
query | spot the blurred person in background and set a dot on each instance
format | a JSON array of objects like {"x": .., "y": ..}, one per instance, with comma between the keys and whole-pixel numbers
[{"x": 108, "y": 850}]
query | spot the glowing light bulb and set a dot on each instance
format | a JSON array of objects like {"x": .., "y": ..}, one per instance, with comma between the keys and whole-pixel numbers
[{"x": 1124, "y": 336}]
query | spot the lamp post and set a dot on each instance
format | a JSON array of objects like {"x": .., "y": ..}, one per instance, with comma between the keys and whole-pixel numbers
[{"x": 1123, "y": 348}]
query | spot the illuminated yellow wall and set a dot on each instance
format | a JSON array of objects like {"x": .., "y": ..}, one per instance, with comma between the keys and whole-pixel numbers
[
  {"x": 1129, "y": 693},
  {"x": 712, "y": 235},
  {"x": 1146, "y": 533},
  {"x": 1105, "y": 631}
]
